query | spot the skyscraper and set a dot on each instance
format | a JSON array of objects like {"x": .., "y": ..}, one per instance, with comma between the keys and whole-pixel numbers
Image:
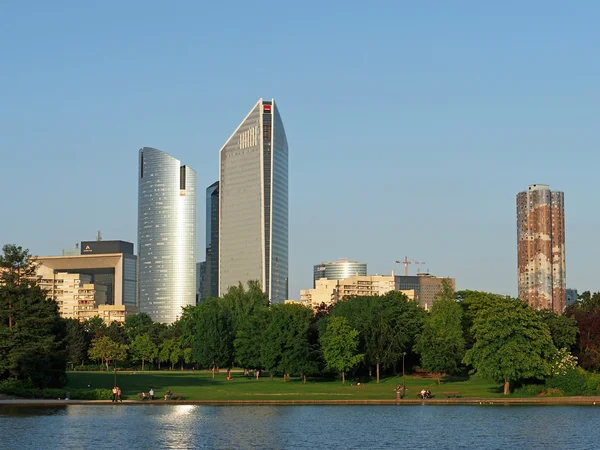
[
  {"x": 541, "y": 248},
  {"x": 253, "y": 204},
  {"x": 211, "y": 278},
  {"x": 166, "y": 235}
]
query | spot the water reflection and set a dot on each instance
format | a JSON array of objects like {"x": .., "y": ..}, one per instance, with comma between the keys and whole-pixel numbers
[{"x": 310, "y": 427}]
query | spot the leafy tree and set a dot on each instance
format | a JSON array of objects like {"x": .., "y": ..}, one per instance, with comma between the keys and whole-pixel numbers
[
  {"x": 388, "y": 325},
  {"x": 137, "y": 324},
  {"x": 472, "y": 302},
  {"x": 32, "y": 334},
  {"x": 76, "y": 341},
  {"x": 586, "y": 313},
  {"x": 143, "y": 348},
  {"x": 95, "y": 328},
  {"x": 248, "y": 339},
  {"x": 171, "y": 352},
  {"x": 340, "y": 346},
  {"x": 107, "y": 350},
  {"x": 563, "y": 329},
  {"x": 441, "y": 343},
  {"x": 511, "y": 343},
  {"x": 212, "y": 335},
  {"x": 285, "y": 339}
]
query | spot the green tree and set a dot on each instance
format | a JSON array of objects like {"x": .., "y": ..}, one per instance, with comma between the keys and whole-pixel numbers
[
  {"x": 563, "y": 329},
  {"x": 213, "y": 335},
  {"x": 171, "y": 352},
  {"x": 32, "y": 334},
  {"x": 441, "y": 343},
  {"x": 143, "y": 349},
  {"x": 77, "y": 344},
  {"x": 285, "y": 339},
  {"x": 512, "y": 343},
  {"x": 137, "y": 324},
  {"x": 95, "y": 328},
  {"x": 249, "y": 338},
  {"x": 586, "y": 313},
  {"x": 340, "y": 346},
  {"x": 107, "y": 350}
]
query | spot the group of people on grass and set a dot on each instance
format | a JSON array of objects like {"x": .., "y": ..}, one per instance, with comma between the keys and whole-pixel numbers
[{"x": 425, "y": 393}]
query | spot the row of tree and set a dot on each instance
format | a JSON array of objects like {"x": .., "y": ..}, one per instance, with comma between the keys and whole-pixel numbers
[{"x": 496, "y": 336}]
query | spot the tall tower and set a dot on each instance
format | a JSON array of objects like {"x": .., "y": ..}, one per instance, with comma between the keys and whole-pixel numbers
[
  {"x": 541, "y": 248},
  {"x": 253, "y": 204},
  {"x": 211, "y": 280},
  {"x": 166, "y": 235}
]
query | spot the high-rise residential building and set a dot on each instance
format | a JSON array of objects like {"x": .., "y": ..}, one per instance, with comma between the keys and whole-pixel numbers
[
  {"x": 338, "y": 270},
  {"x": 211, "y": 277},
  {"x": 253, "y": 204},
  {"x": 541, "y": 248},
  {"x": 166, "y": 235}
]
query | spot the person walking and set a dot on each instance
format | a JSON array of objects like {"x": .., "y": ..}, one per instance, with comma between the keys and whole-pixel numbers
[
  {"x": 151, "y": 394},
  {"x": 119, "y": 399},
  {"x": 114, "y": 392}
]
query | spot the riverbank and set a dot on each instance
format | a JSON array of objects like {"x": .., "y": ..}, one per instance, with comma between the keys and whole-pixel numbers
[{"x": 589, "y": 401}]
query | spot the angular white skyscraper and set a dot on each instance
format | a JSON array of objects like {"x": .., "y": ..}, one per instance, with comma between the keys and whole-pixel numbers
[
  {"x": 253, "y": 204},
  {"x": 166, "y": 235}
]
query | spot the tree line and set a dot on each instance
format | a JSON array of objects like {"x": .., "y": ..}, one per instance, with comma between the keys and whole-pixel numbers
[{"x": 497, "y": 337}]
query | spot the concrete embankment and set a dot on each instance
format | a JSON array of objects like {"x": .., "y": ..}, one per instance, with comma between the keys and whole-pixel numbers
[{"x": 595, "y": 400}]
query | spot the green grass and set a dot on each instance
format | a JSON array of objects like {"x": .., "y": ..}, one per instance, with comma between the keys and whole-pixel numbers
[{"x": 194, "y": 385}]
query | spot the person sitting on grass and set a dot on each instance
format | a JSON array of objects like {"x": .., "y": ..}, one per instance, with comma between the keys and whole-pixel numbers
[{"x": 168, "y": 395}]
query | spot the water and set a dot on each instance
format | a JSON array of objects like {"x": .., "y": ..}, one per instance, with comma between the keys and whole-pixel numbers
[{"x": 300, "y": 427}]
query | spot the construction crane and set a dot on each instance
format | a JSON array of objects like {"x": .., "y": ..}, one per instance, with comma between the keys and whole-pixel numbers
[{"x": 406, "y": 262}]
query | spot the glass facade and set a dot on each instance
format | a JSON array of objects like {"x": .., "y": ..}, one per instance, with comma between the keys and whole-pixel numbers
[
  {"x": 253, "y": 204},
  {"x": 338, "y": 270},
  {"x": 211, "y": 279},
  {"x": 166, "y": 235}
]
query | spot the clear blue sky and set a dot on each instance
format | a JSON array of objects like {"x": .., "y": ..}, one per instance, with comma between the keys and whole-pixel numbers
[{"x": 412, "y": 125}]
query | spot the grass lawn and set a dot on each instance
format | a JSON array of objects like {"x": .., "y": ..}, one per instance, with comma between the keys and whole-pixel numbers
[{"x": 194, "y": 385}]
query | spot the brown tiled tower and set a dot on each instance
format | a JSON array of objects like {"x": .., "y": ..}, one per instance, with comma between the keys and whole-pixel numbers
[{"x": 541, "y": 248}]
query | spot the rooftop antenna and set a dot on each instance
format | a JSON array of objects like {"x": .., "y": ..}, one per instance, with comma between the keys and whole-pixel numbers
[{"x": 99, "y": 236}]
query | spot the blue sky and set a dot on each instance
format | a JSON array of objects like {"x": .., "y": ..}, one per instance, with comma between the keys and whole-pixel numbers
[{"x": 411, "y": 125}]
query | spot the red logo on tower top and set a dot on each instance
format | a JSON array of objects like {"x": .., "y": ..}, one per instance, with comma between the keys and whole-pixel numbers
[{"x": 267, "y": 108}]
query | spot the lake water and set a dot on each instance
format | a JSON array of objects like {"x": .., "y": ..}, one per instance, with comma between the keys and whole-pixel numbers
[{"x": 300, "y": 427}]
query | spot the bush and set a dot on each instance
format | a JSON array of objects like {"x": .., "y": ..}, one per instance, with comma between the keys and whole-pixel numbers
[
  {"x": 20, "y": 389},
  {"x": 531, "y": 389},
  {"x": 572, "y": 382}
]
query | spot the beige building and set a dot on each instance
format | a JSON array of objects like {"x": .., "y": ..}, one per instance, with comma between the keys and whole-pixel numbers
[
  {"x": 70, "y": 281},
  {"x": 425, "y": 286},
  {"x": 329, "y": 292}
]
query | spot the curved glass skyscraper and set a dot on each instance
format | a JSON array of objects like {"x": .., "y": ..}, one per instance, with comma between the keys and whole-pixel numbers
[
  {"x": 338, "y": 270},
  {"x": 166, "y": 235},
  {"x": 253, "y": 204}
]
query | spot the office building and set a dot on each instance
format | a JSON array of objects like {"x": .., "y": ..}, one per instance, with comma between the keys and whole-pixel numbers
[
  {"x": 541, "y": 248},
  {"x": 338, "y": 270},
  {"x": 253, "y": 204},
  {"x": 211, "y": 277},
  {"x": 200, "y": 282},
  {"x": 425, "y": 286},
  {"x": 91, "y": 284},
  {"x": 166, "y": 235},
  {"x": 572, "y": 296}
]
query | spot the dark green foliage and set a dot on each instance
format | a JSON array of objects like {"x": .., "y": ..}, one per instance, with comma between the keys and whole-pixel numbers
[
  {"x": 212, "y": 335},
  {"x": 387, "y": 325},
  {"x": 563, "y": 329},
  {"x": 32, "y": 347},
  {"x": 575, "y": 382},
  {"x": 137, "y": 324},
  {"x": 23, "y": 390},
  {"x": 441, "y": 343},
  {"x": 285, "y": 344},
  {"x": 512, "y": 343},
  {"x": 249, "y": 338},
  {"x": 77, "y": 344}
]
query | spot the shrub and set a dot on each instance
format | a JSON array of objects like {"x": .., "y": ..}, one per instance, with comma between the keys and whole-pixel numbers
[
  {"x": 20, "y": 389},
  {"x": 571, "y": 382},
  {"x": 531, "y": 389}
]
